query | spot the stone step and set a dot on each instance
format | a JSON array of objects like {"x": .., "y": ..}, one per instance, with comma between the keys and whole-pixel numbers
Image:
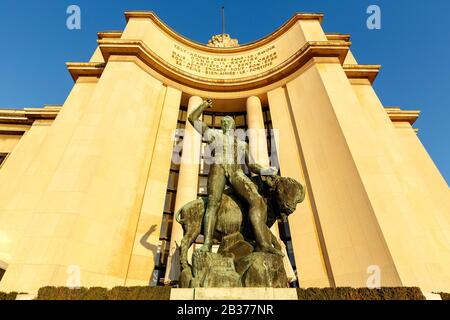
[{"x": 234, "y": 294}]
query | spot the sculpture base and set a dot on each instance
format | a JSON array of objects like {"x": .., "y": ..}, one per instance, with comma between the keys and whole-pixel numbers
[
  {"x": 234, "y": 294},
  {"x": 224, "y": 270}
]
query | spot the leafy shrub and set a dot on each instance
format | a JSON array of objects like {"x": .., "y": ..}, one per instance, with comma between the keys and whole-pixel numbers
[
  {"x": 96, "y": 293},
  {"x": 8, "y": 296},
  {"x": 163, "y": 293},
  {"x": 139, "y": 293},
  {"x": 445, "y": 296},
  {"x": 360, "y": 294}
]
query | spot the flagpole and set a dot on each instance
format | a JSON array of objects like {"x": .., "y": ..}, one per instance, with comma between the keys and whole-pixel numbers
[{"x": 223, "y": 20}]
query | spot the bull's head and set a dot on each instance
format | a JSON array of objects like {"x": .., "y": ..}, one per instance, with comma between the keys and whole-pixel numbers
[{"x": 287, "y": 192}]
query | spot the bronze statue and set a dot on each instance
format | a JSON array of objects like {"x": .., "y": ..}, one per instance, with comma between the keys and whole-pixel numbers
[
  {"x": 237, "y": 213},
  {"x": 233, "y": 230},
  {"x": 227, "y": 168}
]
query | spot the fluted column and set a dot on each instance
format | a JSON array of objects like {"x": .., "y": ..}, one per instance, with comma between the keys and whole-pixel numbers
[
  {"x": 186, "y": 189},
  {"x": 256, "y": 132},
  {"x": 258, "y": 149}
]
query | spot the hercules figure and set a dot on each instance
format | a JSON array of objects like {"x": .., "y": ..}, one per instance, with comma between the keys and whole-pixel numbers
[{"x": 227, "y": 168}]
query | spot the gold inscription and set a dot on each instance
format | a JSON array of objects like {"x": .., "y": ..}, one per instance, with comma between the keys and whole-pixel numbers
[{"x": 224, "y": 66}]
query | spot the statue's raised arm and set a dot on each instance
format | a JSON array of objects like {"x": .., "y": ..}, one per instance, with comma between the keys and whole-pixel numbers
[{"x": 194, "y": 117}]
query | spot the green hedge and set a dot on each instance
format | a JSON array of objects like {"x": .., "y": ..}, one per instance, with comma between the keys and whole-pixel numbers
[
  {"x": 360, "y": 294},
  {"x": 95, "y": 293},
  {"x": 163, "y": 293},
  {"x": 8, "y": 296},
  {"x": 445, "y": 296}
]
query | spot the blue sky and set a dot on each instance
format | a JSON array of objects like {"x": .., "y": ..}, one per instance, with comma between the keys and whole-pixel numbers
[{"x": 413, "y": 46}]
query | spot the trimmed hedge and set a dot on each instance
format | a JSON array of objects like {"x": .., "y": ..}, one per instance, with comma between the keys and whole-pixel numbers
[
  {"x": 8, "y": 296},
  {"x": 163, "y": 293},
  {"x": 360, "y": 294},
  {"x": 445, "y": 296},
  {"x": 96, "y": 293}
]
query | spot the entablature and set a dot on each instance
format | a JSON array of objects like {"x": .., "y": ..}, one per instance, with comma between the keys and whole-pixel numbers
[
  {"x": 362, "y": 71},
  {"x": 398, "y": 115},
  {"x": 85, "y": 69},
  {"x": 221, "y": 69},
  {"x": 137, "y": 48},
  {"x": 18, "y": 121},
  {"x": 244, "y": 47}
]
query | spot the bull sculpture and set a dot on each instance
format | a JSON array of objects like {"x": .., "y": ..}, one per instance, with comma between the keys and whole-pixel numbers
[{"x": 281, "y": 195}]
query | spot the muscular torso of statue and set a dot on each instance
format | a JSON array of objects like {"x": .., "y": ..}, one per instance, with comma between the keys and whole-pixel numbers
[{"x": 229, "y": 154}]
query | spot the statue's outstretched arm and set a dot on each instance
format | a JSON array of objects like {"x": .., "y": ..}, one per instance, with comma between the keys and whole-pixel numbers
[
  {"x": 256, "y": 168},
  {"x": 194, "y": 117}
]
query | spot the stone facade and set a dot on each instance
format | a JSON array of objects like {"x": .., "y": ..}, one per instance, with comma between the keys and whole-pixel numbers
[{"x": 84, "y": 184}]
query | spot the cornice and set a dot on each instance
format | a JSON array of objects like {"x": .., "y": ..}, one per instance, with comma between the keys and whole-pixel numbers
[
  {"x": 16, "y": 122},
  {"x": 46, "y": 113},
  {"x": 85, "y": 69},
  {"x": 111, "y": 44},
  {"x": 114, "y": 34},
  {"x": 28, "y": 115},
  {"x": 362, "y": 71},
  {"x": 398, "y": 115},
  {"x": 338, "y": 36},
  {"x": 200, "y": 46},
  {"x": 137, "y": 48}
]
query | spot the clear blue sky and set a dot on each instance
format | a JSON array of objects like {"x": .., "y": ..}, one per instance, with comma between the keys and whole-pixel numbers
[{"x": 413, "y": 46}]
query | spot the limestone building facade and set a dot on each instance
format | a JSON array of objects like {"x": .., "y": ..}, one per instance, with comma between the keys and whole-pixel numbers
[{"x": 89, "y": 188}]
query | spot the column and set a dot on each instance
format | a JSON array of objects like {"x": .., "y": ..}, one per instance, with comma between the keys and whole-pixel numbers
[
  {"x": 187, "y": 188},
  {"x": 339, "y": 147},
  {"x": 146, "y": 242},
  {"x": 258, "y": 149},
  {"x": 308, "y": 254},
  {"x": 256, "y": 132}
]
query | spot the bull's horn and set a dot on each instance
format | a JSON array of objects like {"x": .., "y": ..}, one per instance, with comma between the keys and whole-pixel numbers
[{"x": 178, "y": 215}]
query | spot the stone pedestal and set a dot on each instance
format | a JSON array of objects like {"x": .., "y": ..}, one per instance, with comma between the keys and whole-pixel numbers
[
  {"x": 260, "y": 269},
  {"x": 26, "y": 296},
  {"x": 213, "y": 270},
  {"x": 235, "y": 265},
  {"x": 431, "y": 296},
  {"x": 234, "y": 294}
]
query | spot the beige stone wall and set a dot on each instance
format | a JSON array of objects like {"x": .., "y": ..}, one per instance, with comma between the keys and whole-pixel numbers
[
  {"x": 311, "y": 30},
  {"x": 146, "y": 242},
  {"x": 88, "y": 189},
  {"x": 87, "y": 183},
  {"x": 32, "y": 245},
  {"x": 97, "y": 56},
  {"x": 406, "y": 190},
  {"x": 326, "y": 115},
  {"x": 16, "y": 190},
  {"x": 284, "y": 46},
  {"x": 8, "y": 142},
  {"x": 304, "y": 230}
]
